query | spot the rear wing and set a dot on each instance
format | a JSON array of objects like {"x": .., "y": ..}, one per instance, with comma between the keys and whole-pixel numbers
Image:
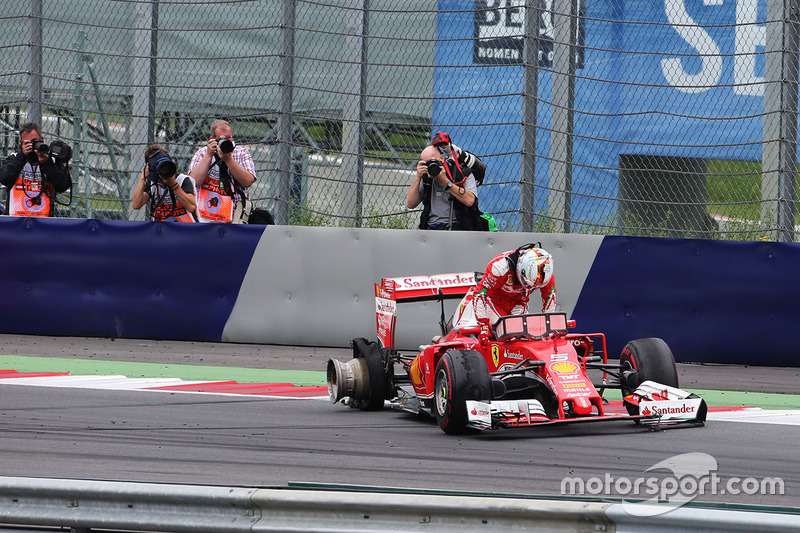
[{"x": 415, "y": 289}]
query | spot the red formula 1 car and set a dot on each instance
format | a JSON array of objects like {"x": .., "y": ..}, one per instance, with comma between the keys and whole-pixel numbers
[{"x": 526, "y": 370}]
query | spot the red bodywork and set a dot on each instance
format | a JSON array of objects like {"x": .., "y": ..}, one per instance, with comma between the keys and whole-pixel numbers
[{"x": 561, "y": 368}]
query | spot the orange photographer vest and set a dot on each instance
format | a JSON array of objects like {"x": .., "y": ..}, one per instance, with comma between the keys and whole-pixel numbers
[
  {"x": 165, "y": 205},
  {"x": 214, "y": 204},
  {"x": 27, "y": 199}
]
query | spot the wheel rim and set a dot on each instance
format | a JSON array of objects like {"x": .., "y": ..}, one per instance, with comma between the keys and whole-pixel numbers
[
  {"x": 627, "y": 366},
  {"x": 440, "y": 394}
]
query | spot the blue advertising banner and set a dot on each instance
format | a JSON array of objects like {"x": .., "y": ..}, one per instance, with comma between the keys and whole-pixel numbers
[
  {"x": 681, "y": 78},
  {"x": 499, "y": 27}
]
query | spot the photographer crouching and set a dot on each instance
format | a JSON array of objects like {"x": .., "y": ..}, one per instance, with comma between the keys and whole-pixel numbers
[
  {"x": 172, "y": 196},
  {"x": 446, "y": 184},
  {"x": 35, "y": 174}
]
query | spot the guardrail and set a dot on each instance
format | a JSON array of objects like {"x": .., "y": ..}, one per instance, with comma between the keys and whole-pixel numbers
[{"x": 148, "y": 507}]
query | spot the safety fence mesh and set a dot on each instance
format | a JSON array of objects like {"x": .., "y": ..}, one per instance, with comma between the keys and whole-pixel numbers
[{"x": 674, "y": 118}]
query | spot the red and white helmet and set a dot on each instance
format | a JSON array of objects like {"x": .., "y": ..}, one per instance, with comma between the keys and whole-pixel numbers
[{"x": 535, "y": 268}]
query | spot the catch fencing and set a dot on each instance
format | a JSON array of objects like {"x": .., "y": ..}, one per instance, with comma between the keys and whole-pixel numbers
[{"x": 673, "y": 118}]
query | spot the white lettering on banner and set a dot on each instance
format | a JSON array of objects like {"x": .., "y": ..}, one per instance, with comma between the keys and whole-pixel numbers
[
  {"x": 500, "y": 27},
  {"x": 498, "y": 53},
  {"x": 748, "y": 37},
  {"x": 500, "y": 18}
]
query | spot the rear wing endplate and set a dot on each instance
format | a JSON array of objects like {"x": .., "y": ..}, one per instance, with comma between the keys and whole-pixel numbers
[{"x": 415, "y": 289}]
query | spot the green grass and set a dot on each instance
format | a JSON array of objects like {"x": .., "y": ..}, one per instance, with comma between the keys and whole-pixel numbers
[{"x": 734, "y": 189}]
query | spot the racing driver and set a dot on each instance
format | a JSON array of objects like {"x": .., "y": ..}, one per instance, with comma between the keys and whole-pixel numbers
[{"x": 509, "y": 280}]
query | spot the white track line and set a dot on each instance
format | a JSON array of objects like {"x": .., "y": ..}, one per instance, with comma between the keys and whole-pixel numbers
[{"x": 786, "y": 417}]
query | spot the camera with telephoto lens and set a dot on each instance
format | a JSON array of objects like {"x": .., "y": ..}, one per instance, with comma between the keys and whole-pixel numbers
[
  {"x": 434, "y": 167},
  {"x": 161, "y": 166},
  {"x": 225, "y": 145},
  {"x": 61, "y": 151},
  {"x": 40, "y": 146}
]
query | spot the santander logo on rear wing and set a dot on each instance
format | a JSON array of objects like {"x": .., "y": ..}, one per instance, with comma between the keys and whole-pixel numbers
[{"x": 414, "y": 288}]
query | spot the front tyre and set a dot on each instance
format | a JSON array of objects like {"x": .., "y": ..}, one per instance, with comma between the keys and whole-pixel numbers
[
  {"x": 647, "y": 359},
  {"x": 460, "y": 375}
]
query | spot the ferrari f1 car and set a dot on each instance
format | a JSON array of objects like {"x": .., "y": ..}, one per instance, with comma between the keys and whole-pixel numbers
[{"x": 526, "y": 370}]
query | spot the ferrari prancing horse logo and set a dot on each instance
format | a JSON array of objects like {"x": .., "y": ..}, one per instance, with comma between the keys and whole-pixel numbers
[{"x": 495, "y": 355}]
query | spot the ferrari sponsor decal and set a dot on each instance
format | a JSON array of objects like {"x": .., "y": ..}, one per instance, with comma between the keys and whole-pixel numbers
[
  {"x": 479, "y": 414},
  {"x": 564, "y": 367},
  {"x": 671, "y": 409},
  {"x": 573, "y": 378},
  {"x": 574, "y": 386},
  {"x": 383, "y": 305},
  {"x": 385, "y": 289},
  {"x": 495, "y": 354},
  {"x": 442, "y": 280},
  {"x": 578, "y": 394},
  {"x": 515, "y": 355},
  {"x": 417, "y": 379}
]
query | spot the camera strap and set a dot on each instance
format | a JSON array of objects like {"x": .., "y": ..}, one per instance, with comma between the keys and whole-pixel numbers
[
  {"x": 226, "y": 181},
  {"x": 65, "y": 161},
  {"x": 157, "y": 199},
  {"x": 447, "y": 168}
]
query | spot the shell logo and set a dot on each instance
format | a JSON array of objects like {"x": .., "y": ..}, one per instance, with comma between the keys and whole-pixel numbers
[{"x": 564, "y": 367}]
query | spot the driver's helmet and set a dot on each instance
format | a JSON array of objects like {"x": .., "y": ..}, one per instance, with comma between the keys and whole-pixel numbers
[{"x": 535, "y": 268}]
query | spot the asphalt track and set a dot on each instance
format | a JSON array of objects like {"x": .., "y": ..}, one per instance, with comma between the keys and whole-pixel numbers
[{"x": 251, "y": 440}]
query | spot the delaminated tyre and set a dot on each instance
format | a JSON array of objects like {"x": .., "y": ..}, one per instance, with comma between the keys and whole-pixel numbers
[
  {"x": 378, "y": 386},
  {"x": 461, "y": 375}
]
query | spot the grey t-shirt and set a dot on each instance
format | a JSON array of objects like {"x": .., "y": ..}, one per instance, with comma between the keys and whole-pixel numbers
[{"x": 442, "y": 202}]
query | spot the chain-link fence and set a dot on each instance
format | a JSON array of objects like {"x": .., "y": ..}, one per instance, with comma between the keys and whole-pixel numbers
[{"x": 639, "y": 117}]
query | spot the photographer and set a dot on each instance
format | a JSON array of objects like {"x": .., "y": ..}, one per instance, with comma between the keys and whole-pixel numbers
[
  {"x": 172, "y": 197},
  {"x": 445, "y": 183},
  {"x": 224, "y": 172},
  {"x": 33, "y": 176}
]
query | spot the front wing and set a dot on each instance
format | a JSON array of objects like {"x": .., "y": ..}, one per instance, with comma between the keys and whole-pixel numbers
[{"x": 652, "y": 404}]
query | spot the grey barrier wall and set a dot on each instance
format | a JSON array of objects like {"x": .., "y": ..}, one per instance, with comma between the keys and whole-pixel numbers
[{"x": 315, "y": 286}]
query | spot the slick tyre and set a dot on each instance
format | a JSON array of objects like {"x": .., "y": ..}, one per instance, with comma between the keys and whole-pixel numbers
[
  {"x": 649, "y": 359},
  {"x": 378, "y": 386},
  {"x": 461, "y": 375}
]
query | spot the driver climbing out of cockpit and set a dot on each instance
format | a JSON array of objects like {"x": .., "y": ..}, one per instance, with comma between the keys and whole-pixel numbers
[{"x": 506, "y": 285}]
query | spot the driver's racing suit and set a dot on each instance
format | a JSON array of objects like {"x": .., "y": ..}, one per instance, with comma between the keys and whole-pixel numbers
[{"x": 500, "y": 294}]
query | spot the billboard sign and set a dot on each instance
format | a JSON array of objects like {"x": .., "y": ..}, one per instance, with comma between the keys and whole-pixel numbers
[{"x": 500, "y": 25}]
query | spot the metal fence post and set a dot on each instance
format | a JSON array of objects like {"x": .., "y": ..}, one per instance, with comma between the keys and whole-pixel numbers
[
  {"x": 530, "y": 96},
  {"x": 35, "y": 63},
  {"x": 284, "y": 130},
  {"x": 141, "y": 80},
  {"x": 565, "y": 15},
  {"x": 354, "y": 111},
  {"x": 779, "y": 152}
]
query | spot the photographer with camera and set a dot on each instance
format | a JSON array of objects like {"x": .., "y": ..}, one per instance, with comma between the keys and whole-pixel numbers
[
  {"x": 34, "y": 175},
  {"x": 446, "y": 183},
  {"x": 224, "y": 172},
  {"x": 172, "y": 196}
]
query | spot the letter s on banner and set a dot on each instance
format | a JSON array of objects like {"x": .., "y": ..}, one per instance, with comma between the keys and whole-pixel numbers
[{"x": 700, "y": 40}]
